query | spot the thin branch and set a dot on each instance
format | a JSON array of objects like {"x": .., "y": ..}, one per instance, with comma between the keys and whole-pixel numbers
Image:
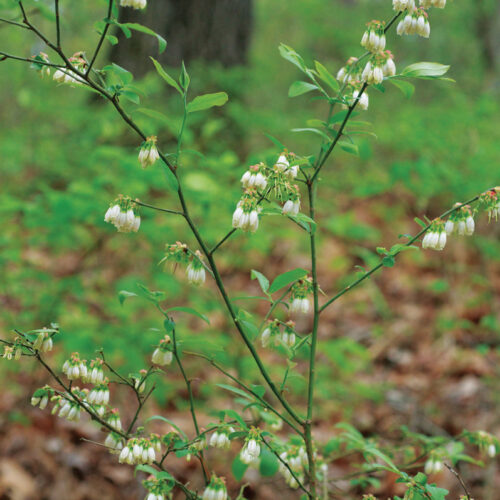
[
  {"x": 380, "y": 264},
  {"x": 58, "y": 24},
  {"x": 4, "y": 56},
  {"x": 166, "y": 210},
  {"x": 14, "y": 23},
  {"x": 460, "y": 480},
  {"x": 191, "y": 402},
  {"x": 102, "y": 37},
  {"x": 246, "y": 388},
  {"x": 271, "y": 449}
]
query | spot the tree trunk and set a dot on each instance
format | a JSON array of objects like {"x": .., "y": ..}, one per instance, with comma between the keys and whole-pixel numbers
[{"x": 213, "y": 30}]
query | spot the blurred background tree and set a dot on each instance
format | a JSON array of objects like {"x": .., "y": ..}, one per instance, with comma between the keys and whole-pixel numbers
[{"x": 212, "y": 30}]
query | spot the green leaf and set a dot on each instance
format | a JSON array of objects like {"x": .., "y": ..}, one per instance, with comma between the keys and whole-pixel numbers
[
  {"x": 189, "y": 310},
  {"x": 166, "y": 76},
  {"x": 285, "y": 279},
  {"x": 314, "y": 131},
  {"x": 406, "y": 88},
  {"x": 236, "y": 416},
  {"x": 123, "y": 294},
  {"x": 327, "y": 77},
  {"x": 240, "y": 392},
  {"x": 184, "y": 77},
  {"x": 263, "y": 281},
  {"x": 269, "y": 464},
  {"x": 260, "y": 390},
  {"x": 340, "y": 116},
  {"x": 275, "y": 141},
  {"x": 290, "y": 55},
  {"x": 388, "y": 261},
  {"x": 158, "y": 474},
  {"x": 153, "y": 113},
  {"x": 207, "y": 101},
  {"x": 425, "y": 69},
  {"x": 124, "y": 76},
  {"x": 420, "y": 222},
  {"x": 238, "y": 468},
  {"x": 131, "y": 96},
  {"x": 299, "y": 88},
  {"x": 162, "y": 43},
  {"x": 349, "y": 148},
  {"x": 168, "y": 421}
]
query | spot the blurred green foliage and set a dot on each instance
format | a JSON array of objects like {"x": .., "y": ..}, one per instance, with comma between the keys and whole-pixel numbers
[{"x": 66, "y": 155}]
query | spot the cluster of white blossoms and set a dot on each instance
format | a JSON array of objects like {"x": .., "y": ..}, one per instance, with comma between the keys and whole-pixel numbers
[
  {"x": 435, "y": 238},
  {"x": 460, "y": 222},
  {"x": 400, "y": 5},
  {"x": 433, "y": 465},
  {"x": 162, "y": 355},
  {"x": 99, "y": 394},
  {"x": 123, "y": 214},
  {"x": 68, "y": 409},
  {"x": 65, "y": 75},
  {"x": 490, "y": 200},
  {"x": 195, "y": 270},
  {"x": 139, "y": 451},
  {"x": 216, "y": 489},
  {"x": 114, "y": 419},
  {"x": 379, "y": 66},
  {"x": 114, "y": 442},
  {"x": 415, "y": 22},
  {"x": 135, "y": 4},
  {"x": 374, "y": 37},
  {"x": 296, "y": 458},
  {"x": 250, "y": 453},
  {"x": 254, "y": 177},
  {"x": 155, "y": 488},
  {"x": 43, "y": 341},
  {"x": 75, "y": 368},
  {"x": 300, "y": 302},
  {"x": 148, "y": 155},
  {"x": 220, "y": 438},
  {"x": 96, "y": 372},
  {"x": 279, "y": 334},
  {"x": 41, "y": 397},
  {"x": 259, "y": 181}
]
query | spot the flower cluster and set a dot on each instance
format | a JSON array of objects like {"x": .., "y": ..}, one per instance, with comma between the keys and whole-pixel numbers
[
  {"x": 114, "y": 441},
  {"x": 123, "y": 214},
  {"x": 66, "y": 407},
  {"x": 401, "y": 5},
  {"x": 195, "y": 270},
  {"x": 220, "y": 438},
  {"x": 38, "y": 60},
  {"x": 99, "y": 395},
  {"x": 135, "y": 4},
  {"x": 276, "y": 179},
  {"x": 96, "y": 372},
  {"x": 374, "y": 37},
  {"x": 43, "y": 341},
  {"x": 440, "y": 4},
  {"x": 162, "y": 355},
  {"x": 114, "y": 419},
  {"x": 138, "y": 451},
  {"x": 74, "y": 368},
  {"x": 415, "y": 22},
  {"x": 490, "y": 201},
  {"x": 148, "y": 155},
  {"x": 296, "y": 458},
  {"x": 300, "y": 302},
  {"x": 246, "y": 215},
  {"x": 41, "y": 397},
  {"x": 250, "y": 452},
  {"x": 155, "y": 488},
  {"x": 435, "y": 238},
  {"x": 274, "y": 332},
  {"x": 254, "y": 177},
  {"x": 433, "y": 465},
  {"x": 139, "y": 381},
  {"x": 216, "y": 489},
  {"x": 68, "y": 76},
  {"x": 461, "y": 222}
]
